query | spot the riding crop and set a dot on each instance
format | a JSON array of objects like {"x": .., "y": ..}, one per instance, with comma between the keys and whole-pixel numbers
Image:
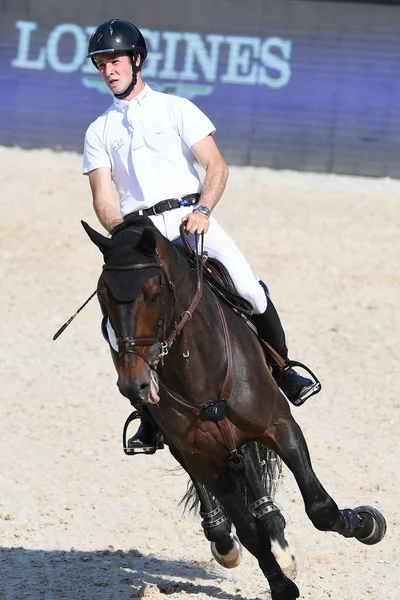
[{"x": 59, "y": 332}]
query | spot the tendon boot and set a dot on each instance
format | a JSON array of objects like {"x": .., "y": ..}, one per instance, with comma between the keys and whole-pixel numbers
[
  {"x": 146, "y": 437},
  {"x": 295, "y": 387}
]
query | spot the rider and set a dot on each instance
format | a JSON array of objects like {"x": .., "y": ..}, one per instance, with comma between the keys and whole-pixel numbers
[{"x": 146, "y": 143}]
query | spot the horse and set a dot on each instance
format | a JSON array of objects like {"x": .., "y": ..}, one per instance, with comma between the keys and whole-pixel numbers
[{"x": 194, "y": 364}]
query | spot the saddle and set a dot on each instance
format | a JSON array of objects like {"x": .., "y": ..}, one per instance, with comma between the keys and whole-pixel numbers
[
  {"x": 219, "y": 280},
  {"x": 217, "y": 277}
]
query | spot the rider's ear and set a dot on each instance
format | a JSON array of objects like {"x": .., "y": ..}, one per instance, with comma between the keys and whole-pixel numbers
[
  {"x": 148, "y": 242},
  {"x": 103, "y": 243}
]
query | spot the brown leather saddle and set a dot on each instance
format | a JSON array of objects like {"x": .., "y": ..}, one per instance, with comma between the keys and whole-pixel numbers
[{"x": 217, "y": 277}]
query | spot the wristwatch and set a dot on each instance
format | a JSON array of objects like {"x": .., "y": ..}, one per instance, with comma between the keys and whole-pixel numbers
[{"x": 203, "y": 209}]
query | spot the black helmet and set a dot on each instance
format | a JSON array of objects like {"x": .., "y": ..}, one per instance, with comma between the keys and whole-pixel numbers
[{"x": 116, "y": 35}]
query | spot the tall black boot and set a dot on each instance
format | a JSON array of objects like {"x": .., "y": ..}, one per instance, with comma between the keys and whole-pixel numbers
[{"x": 295, "y": 387}]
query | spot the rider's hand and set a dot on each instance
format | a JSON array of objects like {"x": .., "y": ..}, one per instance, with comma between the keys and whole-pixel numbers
[{"x": 196, "y": 222}]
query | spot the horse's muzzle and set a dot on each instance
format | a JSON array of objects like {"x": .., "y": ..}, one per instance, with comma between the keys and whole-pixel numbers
[
  {"x": 136, "y": 392},
  {"x": 139, "y": 388}
]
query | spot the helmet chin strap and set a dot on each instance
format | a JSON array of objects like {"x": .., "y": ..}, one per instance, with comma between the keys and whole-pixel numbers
[{"x": 135, "y": 70}]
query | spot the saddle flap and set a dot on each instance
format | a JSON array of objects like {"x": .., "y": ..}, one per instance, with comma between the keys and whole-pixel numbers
[{"x": 218, "y": 278}]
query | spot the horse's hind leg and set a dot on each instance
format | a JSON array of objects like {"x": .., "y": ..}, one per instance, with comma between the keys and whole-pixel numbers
[
  {"x": 364, "y": 523},
  {"x": 225, "y": 545}
]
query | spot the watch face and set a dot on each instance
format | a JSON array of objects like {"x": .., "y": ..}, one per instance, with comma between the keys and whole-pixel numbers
[{"x": 203, "y": 209}]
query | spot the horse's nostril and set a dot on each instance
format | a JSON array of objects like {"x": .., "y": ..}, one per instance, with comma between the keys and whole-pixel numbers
[
  {"x": 134, "y": 390},
  {"x": 144, "y": 391}
]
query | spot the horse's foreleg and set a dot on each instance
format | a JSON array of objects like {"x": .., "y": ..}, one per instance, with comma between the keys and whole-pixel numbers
[
  {"x": 225, "y": 546},
  {"x": 262, "y": 471},
  {"x": 364, "y": 523},
  {"x": 254, "y": 532}
]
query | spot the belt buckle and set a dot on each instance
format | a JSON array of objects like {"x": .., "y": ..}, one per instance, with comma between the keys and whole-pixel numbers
[{"x": 155, "y": 211}]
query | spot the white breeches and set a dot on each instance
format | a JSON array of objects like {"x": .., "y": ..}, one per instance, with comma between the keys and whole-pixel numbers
[{"x": 220, "y": 246}]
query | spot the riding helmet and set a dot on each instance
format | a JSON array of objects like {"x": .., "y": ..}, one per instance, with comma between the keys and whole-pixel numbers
[{"x": 116, "y": 35}]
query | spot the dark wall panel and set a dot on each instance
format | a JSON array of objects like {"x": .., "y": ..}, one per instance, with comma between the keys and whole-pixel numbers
[{"x": 299, "y": 84}]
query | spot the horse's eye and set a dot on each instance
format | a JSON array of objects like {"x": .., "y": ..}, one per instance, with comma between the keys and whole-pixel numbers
[
  {"x": 101, "y": 298},
  {"x": 154, "y": 298}
]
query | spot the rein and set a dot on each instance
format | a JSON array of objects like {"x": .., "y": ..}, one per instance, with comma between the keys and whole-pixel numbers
[{"x": 201, "y": 258}]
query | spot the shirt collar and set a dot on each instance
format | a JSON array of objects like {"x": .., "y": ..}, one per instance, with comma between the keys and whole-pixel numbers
[{"x": 123, "y": 105}]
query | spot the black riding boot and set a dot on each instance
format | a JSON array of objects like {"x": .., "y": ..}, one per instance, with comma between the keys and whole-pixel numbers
[
  {"x": 295, "y": 387},
  {"x": 146, "y": 436}
]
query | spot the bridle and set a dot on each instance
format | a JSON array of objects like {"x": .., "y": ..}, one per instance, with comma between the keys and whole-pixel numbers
[{"x": 128, "y": 345}]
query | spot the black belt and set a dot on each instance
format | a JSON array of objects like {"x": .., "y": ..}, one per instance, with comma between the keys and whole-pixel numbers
[{"x": 165, "y": 205}]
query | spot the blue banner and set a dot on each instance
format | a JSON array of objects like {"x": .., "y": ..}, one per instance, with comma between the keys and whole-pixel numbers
[{"x": 324, "y": 99}]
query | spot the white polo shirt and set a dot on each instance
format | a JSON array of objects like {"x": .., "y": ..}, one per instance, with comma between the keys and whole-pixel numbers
[{"x": 146, "y": 142}]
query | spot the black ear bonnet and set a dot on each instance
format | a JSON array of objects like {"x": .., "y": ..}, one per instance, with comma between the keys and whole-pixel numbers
[{"x": 133, "y": 242}]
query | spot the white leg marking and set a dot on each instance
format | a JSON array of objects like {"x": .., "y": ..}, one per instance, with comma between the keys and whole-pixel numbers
[{"x": 285, "y": 558}]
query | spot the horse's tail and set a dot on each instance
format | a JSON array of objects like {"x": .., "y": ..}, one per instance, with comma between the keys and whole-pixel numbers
[
  {"x": 268, "y": 467},
  {"x": 191, "y": 500}
]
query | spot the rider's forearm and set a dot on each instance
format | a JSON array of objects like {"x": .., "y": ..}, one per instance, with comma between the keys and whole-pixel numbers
[
  {"x": 107, "y": 212},
  {"x": 214, "y": 184}
]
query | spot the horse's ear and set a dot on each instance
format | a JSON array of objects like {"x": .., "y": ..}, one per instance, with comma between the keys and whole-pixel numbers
[
  {"x": 148, "y": 241},
  {"x": 102, "y": 242}
]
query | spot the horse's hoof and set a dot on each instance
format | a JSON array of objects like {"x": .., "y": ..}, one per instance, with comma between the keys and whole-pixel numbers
[
  {"x": 377, "y": 523},
  {"x": 233, "y": 558},
  {"x": 290, "y": 570},
  {"x": 289, "y": 592}
]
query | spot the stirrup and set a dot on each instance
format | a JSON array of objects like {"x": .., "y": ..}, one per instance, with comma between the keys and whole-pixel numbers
[
  {"x": 148, "y": 449},
  {"x": 310, "y": 391}
]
